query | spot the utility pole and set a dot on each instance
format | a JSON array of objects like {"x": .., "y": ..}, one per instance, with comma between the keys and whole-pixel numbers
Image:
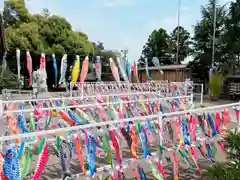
[
  {"x": 178, "y": 29},
  {"x": 214, "y": 31}
]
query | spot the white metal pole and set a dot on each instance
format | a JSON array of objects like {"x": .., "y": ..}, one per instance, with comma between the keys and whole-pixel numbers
[
  {"x": 201, "y": 101},
  {"x": 18, "y": 64},
  {"x": 96, "y": 105},
  {"x": 93, "y": 96}
]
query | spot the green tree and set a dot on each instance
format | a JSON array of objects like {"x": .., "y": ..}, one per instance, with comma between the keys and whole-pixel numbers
[
  {"x": 15, "y": 12},
  {"x": 8, "y": 79},
  {"x": 100, "y": 46},
  {"x": 203, "y": 39},
  {"x": 232, "y": 36},
  {"x": 41, "y": 32},
  {"x": 157, "y": 46},
  {"x": 203, "y": 30},
  {"x": 184, "y": 43}
]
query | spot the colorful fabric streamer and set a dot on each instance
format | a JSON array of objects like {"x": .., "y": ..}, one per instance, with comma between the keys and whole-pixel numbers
[
  {"x": 65, "y": 156},
  {"x": 26, "y": 162},
  {"x": 116, "y": 146},
  {"x": 84, "y": 71},
  {"x": 76, "y": 70},
  {"x": 11, "y": 165},
  {"x": 114, "y": 70},
  {"x": 144, "y": 142},
  {"x": 42, "y": 61},
  {"x": 147, "y": 72},
  {"x": 135, "y": 71},
  {"x": 142, "y": 174},
  {"x": 42, "y": 160},
  {"x": 91, "y": 149},
  {"x": 55, "y": 70},
  {"x": 62, "y": 80},
  {"x": 98, "y": 68},
  {"x": 18, "y": 54},
  {"x": 129, "y": 71},
  {"x": 212, "y": 125},
  {"x": 218, "y": 122},
  {"x": 29, "y": 67}
]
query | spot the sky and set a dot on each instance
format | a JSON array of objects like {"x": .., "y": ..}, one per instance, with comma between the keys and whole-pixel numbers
[{"x": 122, "y": 23}]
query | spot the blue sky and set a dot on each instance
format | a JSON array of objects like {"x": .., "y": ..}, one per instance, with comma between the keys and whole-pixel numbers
[{"x": 122, "y": 23}]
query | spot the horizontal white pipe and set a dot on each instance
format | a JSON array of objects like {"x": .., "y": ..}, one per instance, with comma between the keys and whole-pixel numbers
[
  {"x": 95, "y": 105},
  {"x": 74, "y": 128},
  {"x": 16, "y": 90},
  {"x": 79, "y": 97}
]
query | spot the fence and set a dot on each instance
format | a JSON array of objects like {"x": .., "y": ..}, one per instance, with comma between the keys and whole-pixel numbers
[{"x": 198, "y": 91}]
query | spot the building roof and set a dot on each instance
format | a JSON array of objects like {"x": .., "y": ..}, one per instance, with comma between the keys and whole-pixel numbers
[{"x": 166, "y": 67}]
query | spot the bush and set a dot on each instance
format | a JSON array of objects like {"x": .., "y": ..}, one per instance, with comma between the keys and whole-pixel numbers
[
  {"x": 8, "y": 79},
  {"x": 215, "y": 83}
]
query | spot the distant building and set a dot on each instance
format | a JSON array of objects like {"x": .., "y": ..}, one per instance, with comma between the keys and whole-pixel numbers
[{"x": 175, "y": 73}]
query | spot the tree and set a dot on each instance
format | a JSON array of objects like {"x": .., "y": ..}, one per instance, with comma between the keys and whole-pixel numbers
[
  {"x": 8, "y": 79},
  {"x": 15, "y": 12},
  {"x": 203, "y": 38},
  {"x": 184, "y": 44},
  {"x": 157, "y": 46},
  {"x": 41, "y": 33},
  {"x": 100, "y": 46},
  {"x": 203, "y": 30},
  {"x": 232, "y": 34}
]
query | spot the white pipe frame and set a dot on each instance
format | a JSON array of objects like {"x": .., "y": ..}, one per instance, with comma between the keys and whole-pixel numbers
[
  {"x": 128, "y": 85},
  {"x": 143, "y": 93},
  {"x": 95, "y": 105},
  {"x": 86, "y": 126}
]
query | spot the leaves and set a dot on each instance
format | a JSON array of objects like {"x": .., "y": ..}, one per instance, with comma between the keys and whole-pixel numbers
[
  {"x": 8, "y": 79},
  {"x": 183, "y": 44},
  {"x": 231, "y": 170},
  {"x": 42, "y": 32},
  {"x": 157, "y": 46},
  {"x": 162, "y": 45},
  {"x": 216, "y": 84},
  {"x": 15, "y": 12},
  {"x": 203, "y": 40}
]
